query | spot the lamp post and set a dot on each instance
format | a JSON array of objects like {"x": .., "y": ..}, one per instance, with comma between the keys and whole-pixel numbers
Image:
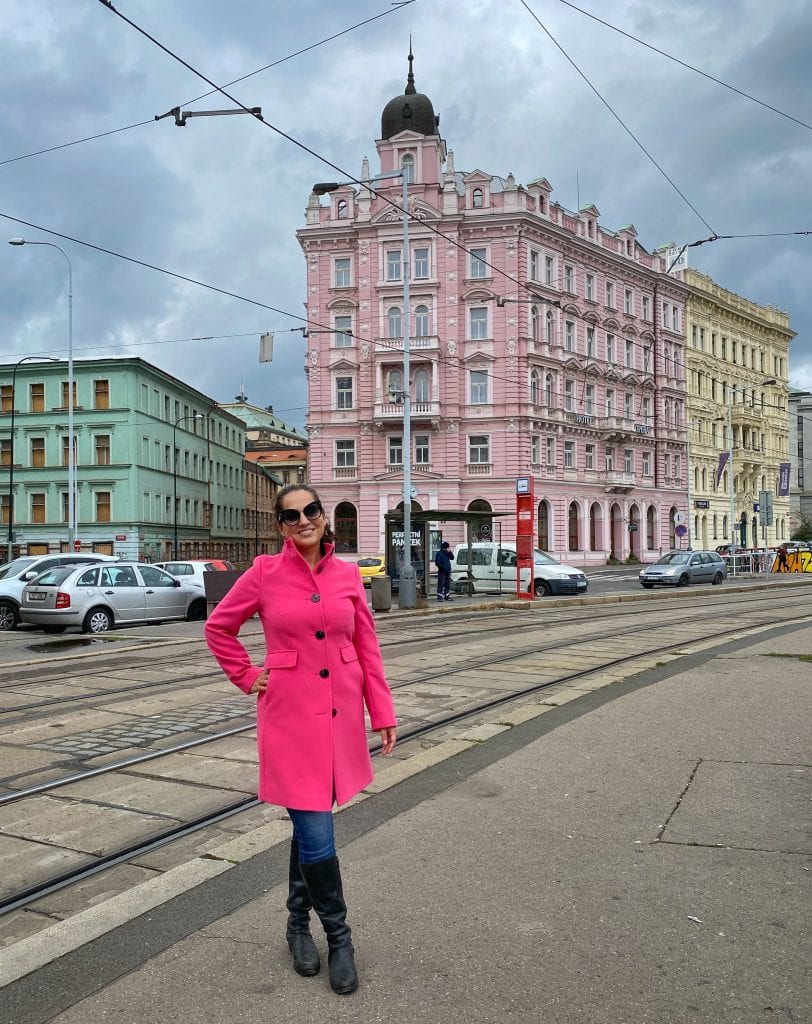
[
  {"x": 71, "y": 434},
  {"x": 407, "y": 588},
  {"x": 730, "y": 393},
  {"x": 17, "y": 365},
  {"x": 180, "y": 419}
]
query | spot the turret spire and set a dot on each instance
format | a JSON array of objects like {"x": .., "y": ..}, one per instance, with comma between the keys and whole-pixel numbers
[{"x": 410, "y": 89}]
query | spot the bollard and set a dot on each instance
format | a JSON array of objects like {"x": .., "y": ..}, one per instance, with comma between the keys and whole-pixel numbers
[{"x": 381, "y": 593}]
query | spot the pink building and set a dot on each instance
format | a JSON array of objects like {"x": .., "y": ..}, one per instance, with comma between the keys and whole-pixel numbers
[{"x": 541, "y": 344}]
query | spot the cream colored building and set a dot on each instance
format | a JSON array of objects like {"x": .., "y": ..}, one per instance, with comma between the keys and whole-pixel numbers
[{"x": 733, "y": 347}]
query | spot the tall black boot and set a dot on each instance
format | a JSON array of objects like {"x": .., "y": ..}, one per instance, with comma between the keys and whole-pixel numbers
[
  {"x": 300, "y": 942},
  {"x": 323, "y": 880}
]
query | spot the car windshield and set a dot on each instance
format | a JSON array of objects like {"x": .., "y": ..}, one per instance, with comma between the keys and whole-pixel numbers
[
  {"x": 674, "y": 558},
  {"x": 53, "y": 577},
  {"x": 540, "y": 558},
  {"x": 370, "y": 563},
  {"x": 12, "y": 569}
]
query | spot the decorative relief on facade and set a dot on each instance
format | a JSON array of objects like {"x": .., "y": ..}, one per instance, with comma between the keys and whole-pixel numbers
[
  {"x": 366, "y": 428},
  {"x": 510, "y": 346},
  {"x": 451, "y": 348},
  {"x": 365, "y": 306},
  {"x": 452, "y": 277},
  {"x": 364, "y": 282},
  {"x": 452, "y": 427},
  {"x": 315, "y": 432},
  {"x": 363, "y": 247},
  {"x": 451, "y": 300},
  {"x": 512, "y": 364},
  {"x": 313, "y": 260},
  {"x": 512, "y": 426},
  {"x": 365, "y": 350}
]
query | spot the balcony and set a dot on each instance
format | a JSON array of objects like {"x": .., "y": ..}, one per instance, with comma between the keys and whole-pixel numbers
[
  {"x": 614, "y": 480},
  {"x": 345, "y": 472},
  {"x": 423, "y": 343},
  {"x": 394, "y": 411},
  {"x": 479, "y": 469}
]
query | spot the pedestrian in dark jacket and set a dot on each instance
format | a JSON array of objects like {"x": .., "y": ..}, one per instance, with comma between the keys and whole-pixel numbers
[
  {"x": 443, "y": 562},
  {"x": 782, "y": 558}
]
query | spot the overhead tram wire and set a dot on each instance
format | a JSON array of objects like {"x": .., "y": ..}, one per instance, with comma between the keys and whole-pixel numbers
[
  {"x": 690, "y": 67},
  {"x": 614, "y": 114},
  {"x": 242, "y": 78}
]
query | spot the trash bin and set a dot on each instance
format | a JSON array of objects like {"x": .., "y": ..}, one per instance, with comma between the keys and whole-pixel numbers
[{"x": 381, "y": 594}]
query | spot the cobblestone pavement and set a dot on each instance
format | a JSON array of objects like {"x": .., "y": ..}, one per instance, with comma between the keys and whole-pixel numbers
[{"x": 143, "y": 732}]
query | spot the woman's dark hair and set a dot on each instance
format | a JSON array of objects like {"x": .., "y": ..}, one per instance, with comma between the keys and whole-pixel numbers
[{"x": 329, "y": 536}]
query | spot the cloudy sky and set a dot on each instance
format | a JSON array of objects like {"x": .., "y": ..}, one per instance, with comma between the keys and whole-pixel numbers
[{"x": 220, "y": 200}]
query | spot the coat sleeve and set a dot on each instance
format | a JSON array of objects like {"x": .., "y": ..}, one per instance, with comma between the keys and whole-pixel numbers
[
  {"x": 223, "y": 626},
  {"x": 377, "y": 695}
]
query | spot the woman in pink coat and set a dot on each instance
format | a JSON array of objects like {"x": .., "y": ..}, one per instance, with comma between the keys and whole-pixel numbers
[{"x": 322, "y": 665}]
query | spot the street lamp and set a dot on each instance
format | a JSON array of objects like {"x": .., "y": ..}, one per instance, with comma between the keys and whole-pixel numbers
[
  {"x": 730, "y": 393},
  {"x": 25, "y": 359},
  {"x": 180, "y": 419},
  {"x": 71, "y": 436},
  {"x": 407, "y": 587}
]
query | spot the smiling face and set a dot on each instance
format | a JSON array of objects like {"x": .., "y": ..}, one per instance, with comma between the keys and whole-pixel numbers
[{"x": 305, "y": 532}]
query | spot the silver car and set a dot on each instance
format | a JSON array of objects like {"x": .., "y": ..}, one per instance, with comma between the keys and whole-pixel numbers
[
  {"x": 99, "y": 597},
  {"x": 679, "y": 568}
]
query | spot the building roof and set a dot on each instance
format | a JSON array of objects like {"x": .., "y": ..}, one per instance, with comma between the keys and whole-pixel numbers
[
  {"x": 255, "y": 418},
  {"x": 413, "y": 111}
]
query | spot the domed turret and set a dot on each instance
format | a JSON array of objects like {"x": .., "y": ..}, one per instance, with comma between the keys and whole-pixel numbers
[{"x": 413, "y": 111}]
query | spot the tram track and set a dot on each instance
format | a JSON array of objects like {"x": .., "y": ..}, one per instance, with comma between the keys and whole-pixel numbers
[{"x": 104, "y": 860}]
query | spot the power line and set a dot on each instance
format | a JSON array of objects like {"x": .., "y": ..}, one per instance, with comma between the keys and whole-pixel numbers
[
  {"x": 690, "y": 67},
  {"x": 242, "y": 78},
  {"x": 614, "y": 114}
]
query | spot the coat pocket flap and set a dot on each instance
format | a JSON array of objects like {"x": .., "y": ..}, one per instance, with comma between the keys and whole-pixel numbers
[
  {"x": 281, "y": 659},
  {"x": 349, "y": 653}
]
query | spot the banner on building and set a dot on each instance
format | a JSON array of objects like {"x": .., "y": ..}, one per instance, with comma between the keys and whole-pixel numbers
[
  {"x": 723, "y": 457},
  {"x": 783, "y": 479},
  {"x": 266, "y": 348}
]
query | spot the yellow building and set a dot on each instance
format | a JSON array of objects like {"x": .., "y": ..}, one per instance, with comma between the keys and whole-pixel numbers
[{"x": 737, "y": 367}]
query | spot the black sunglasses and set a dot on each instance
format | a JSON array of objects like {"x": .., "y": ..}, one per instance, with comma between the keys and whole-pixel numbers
[{"x": 290, "y": 516}]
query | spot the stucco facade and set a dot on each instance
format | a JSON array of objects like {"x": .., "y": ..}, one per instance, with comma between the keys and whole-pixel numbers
[
  {"x": 800, "y": 447},
  {"x": 734, "y": 346},
  {"x": 541, "y": 344}
]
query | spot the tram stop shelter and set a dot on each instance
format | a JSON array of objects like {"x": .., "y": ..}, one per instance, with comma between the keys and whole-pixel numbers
[{"x": 426, "y": 540}]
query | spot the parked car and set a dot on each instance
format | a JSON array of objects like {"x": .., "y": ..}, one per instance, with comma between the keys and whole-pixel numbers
[
  {"x": 14, "y": 576},
  {"x": 97, "y": 598},
  {"x": 191, "y": 570},
  {"x": 679, "y": 568},
  {"x": 369, "y": 567},
  {"x": 493, "y": 570}
]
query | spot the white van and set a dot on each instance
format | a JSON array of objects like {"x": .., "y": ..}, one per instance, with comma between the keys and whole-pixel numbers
[{"x": 493, "y": 571}]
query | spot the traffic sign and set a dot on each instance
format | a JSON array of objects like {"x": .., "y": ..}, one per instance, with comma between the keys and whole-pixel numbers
[
  {"x": 680, "y": 529},
  {"x": 679, "y": 519}
]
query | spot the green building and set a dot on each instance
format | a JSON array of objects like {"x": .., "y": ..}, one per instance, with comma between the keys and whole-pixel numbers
[{"x": 155, "y": 460}]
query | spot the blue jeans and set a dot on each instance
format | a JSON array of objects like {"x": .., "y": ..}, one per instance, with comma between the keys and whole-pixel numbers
[{"x": 314, "y": 834}]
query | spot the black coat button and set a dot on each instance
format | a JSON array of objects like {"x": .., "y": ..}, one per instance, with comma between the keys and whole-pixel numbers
[
  {"x": 334, "y": 712},
  {"x": 315, "y": 598},
  {"x": 324, "y": 673},
  {"x": 320, "y": 634}
]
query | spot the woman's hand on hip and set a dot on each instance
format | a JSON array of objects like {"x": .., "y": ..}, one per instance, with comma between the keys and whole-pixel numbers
[
  {"x": 388, "y": 739},
  {"x": 260, "y": 683}
]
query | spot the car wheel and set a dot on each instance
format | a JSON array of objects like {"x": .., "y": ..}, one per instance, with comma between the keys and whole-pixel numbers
[
  {"x": 718, "y": 579},
  {"x": 54, "y": 629},
  {"x": 9, "y": 616},
  {"x": 197, "y": 611},
  {"x": 542, "y": 588},
  {"x": 97, "y": 620},
  {"x": 647, "y": 586},
  {"x": 683, "y": 580}
]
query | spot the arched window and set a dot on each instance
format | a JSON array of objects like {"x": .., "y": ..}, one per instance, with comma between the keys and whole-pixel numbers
[
  {"x": 704, "y": 480},
  {"x": 715, "y": 526},
  {"x": 724, "y": 526},
  {"x": 481, "y": 528},
  {"x": 541, "y": 204},
  {"x": 572, "y": 526},
  {"x": 394, "y": 385},
  {"x": 341, "y": 209},
  {"x": 548, "y": 327},
  {"x": 548, "y": 390},
  {"x": 421, "y": 386},
  {"x": 534, "y": 387},
  {"x": 696, "y": 478},
  {"x": 534, "y": 323},
  {"x": 407, "y": 166},
  {"x": 544, "y": 526},
  {"x": 421, "y": 322},
  {"x": 477, "y": 198},
  {"x": 346, "y": 527},
  {"x": 595, "y": 524},
  {"x": 650, "y": 528},
  {"x": 394, "y": 322}
]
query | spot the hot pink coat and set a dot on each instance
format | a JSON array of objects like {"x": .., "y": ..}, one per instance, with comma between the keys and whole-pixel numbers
[{"x": 325, "y": 664}]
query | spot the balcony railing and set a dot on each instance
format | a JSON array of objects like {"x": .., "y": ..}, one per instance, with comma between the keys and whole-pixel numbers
[
  {"x": 391, "y": 410},
  {"x": 479, "y": 468},
  {"x": 614, "y": 478},
  {"x": 345, "y": 472},
  {"x": 422, "y": 342}
]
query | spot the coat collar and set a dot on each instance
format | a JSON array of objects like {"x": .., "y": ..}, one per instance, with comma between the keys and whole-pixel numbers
[{"x": 291, "y": 552}]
